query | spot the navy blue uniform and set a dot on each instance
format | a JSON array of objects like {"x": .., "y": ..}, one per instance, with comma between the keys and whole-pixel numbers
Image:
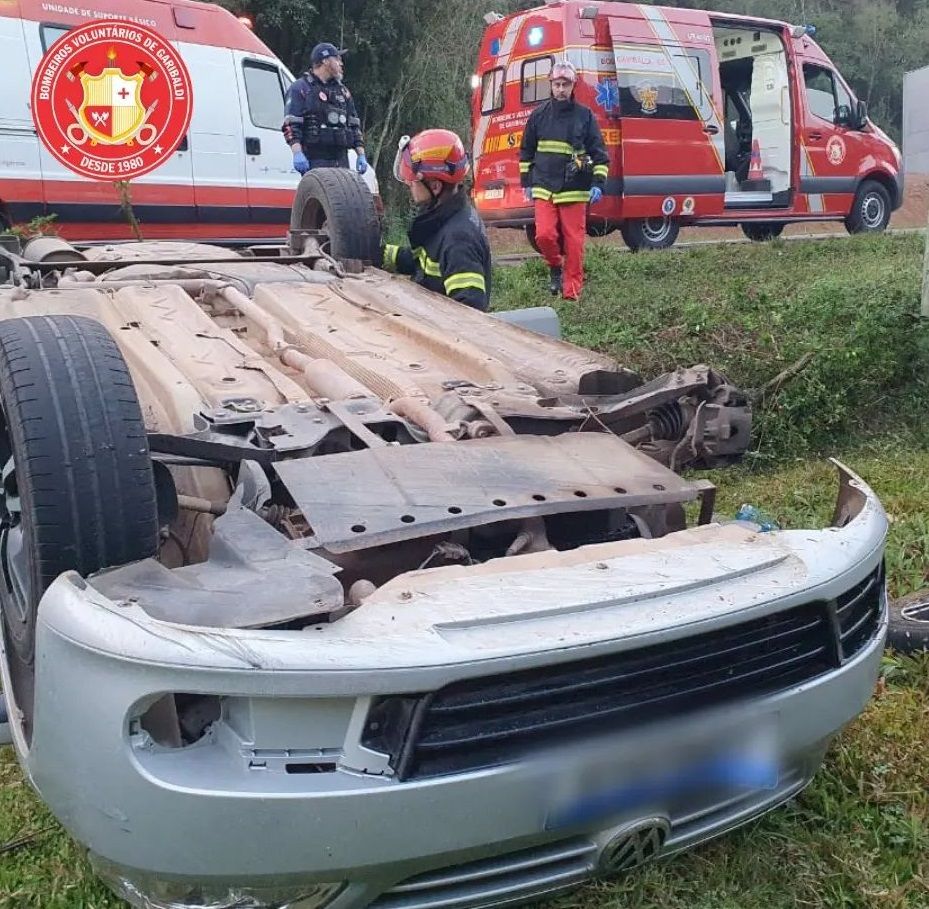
[{"x": 321, "y": 116}]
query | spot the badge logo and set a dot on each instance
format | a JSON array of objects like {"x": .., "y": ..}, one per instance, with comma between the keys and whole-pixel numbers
[
  {"x": 835, "y": 150},
  {"x": 688, "y": 206},
  {"x": 668, "y": 206},
  {"x": 647, "y": 95},
  {"x": 111, "y": 100}
]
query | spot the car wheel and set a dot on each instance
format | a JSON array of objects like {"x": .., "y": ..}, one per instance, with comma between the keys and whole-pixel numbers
[
  {"x": 650, "y": 233},
  {"x": 909, "y": 623},
  {"x": 336, "y": 202},
  {"x": 871, "y": 210},
  {"x": 77, "y": 490},
  {"x": 761, "y": 231}
]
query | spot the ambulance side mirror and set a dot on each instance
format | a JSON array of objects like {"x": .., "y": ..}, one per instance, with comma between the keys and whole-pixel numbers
[
  {"x": 843, "y": 116},
  {"x": 861, "y": 115}
]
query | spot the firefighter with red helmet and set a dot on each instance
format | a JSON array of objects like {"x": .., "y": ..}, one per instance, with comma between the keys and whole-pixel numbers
[
  {"x": 563, "y": 165},
  {"x": 448, "y": 250}
]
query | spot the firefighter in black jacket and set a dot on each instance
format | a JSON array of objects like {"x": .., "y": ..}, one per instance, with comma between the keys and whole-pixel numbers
[
  {"x": 448, "y": 250},
  {"x": 564, "y": 164},
  {"x": 320, "y": 120}
]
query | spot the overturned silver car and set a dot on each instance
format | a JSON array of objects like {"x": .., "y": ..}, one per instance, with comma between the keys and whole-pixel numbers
[{"x": 321, "y": 590}]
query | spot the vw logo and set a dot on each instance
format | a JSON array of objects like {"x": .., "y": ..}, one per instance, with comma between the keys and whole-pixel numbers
[{"x": 634, "y": 845}]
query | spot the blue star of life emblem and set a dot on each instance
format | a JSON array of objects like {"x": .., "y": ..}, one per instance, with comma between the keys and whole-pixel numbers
[{"x": 608, "y": 94}]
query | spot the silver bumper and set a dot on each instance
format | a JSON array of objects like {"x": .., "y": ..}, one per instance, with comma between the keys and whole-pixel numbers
[{"x": 227, "y": 810}]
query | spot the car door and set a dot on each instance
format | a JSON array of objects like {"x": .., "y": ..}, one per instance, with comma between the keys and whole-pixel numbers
[
  {"x": 217, "y": 143},
  {"x": 269, "y": 172},
  {"x": 673, "y": 142},
  {"x": 831, "y": 151}
]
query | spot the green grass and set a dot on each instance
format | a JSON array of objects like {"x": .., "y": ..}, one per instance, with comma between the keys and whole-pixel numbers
[
  {"x": 858, "y": 838},
  {"x": 750, "y": 311}
]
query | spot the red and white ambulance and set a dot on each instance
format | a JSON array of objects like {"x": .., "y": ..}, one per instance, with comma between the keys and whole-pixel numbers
[
  {"x": 232, "y": 179},
  {"x": 709, "y": 118}
]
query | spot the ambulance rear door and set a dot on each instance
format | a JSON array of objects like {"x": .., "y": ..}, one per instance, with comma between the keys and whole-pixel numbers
[{"x": 673, "y": 144}]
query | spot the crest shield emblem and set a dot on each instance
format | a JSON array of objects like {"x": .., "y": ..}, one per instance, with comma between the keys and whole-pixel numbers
[{"x": 111, "y": 111}]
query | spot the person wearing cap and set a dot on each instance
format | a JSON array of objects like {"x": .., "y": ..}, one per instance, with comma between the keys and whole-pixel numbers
[
  {"x": 448, "y": 251},
  {"x": 320, "y": 120},
  {"x": 563, "y": 166}
]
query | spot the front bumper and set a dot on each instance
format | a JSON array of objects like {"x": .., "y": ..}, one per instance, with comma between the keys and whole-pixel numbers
[{"x": 240, "y": 807}]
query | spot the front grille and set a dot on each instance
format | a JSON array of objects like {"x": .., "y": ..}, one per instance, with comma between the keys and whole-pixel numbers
[
  {"x": 530, "y": 874},
  {"x": 858, "y": 612},
  {"x": 501, "y": 880},
  {"x": 492, "y": 720}
]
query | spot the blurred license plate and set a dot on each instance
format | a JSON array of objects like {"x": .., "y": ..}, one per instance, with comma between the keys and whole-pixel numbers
[
  {"x": 493, "y": 193},
  {"x": 602, "y": 788}
]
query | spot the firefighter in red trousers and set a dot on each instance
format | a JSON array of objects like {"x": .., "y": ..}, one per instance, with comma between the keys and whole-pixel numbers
[{"x": 564, "y": 163}]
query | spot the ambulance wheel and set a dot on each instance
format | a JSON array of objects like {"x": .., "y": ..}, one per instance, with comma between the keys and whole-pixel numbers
[
  {"x": 530, "y": 236},
  {"x": 77, "y": 491},
  {"x": 871, "y": 210},
  {"x": 908, "y": 629},
  {"x": 650, "y": 233},
  {"x": 336, "y": 202},
  {"x": 761, "y": 231}
]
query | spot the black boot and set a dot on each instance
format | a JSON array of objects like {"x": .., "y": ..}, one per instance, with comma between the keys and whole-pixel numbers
[{"x": 554, "y": 280}]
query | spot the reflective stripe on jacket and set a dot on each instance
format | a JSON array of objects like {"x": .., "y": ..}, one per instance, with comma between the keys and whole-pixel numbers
[
  {"x": 556, "y": 133},
  {"x": 448, "y": 253}
]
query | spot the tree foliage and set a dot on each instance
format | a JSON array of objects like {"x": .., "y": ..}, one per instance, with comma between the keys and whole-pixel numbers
[{"x": 409, "y": 63}]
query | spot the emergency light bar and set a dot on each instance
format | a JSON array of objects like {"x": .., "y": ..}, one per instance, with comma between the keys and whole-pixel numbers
[
  {"x": 798, "y": 31},
  {"x": 588, "y": 12}
]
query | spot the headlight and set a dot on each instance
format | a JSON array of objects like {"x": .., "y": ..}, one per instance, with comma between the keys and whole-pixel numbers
[{"x": 147, "y": 891}]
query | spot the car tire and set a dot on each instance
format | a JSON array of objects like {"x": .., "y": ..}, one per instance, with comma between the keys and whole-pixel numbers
[
  {"x": 761, "y": 231},
  {"x": 650, "y": 233},
  {"x": 337, "y": 202},
  {"x": 78, "y": 491},
  {"x": 871, "y": 209},
  {"x": 908, "y": 630}
]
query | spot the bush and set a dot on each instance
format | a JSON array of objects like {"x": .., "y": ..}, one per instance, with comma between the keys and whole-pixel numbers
[{"x": 751, "y": 311}]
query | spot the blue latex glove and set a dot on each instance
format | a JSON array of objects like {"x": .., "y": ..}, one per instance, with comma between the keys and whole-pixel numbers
[
  {"x": 596, "y": 194},
  {"x": 361, "y": 165},
  {"x": 301, "y": 165}
]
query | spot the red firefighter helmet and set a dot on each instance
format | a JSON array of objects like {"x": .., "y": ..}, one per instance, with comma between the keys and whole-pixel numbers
[{"x": 433, "y": 154}]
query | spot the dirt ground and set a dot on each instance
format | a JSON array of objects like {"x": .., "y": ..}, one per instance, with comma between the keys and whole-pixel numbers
[{"x": 913, "y": 213}]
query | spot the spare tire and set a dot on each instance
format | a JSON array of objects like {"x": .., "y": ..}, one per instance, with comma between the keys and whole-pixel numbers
[
  {"x": 77, "y": 491},
  {"x": 908, "y": 629},
  {"x": 337, "y": 202}
]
